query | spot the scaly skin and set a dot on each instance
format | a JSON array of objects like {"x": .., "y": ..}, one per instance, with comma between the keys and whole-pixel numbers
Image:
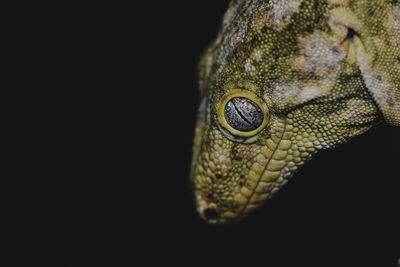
[{"x": 285, "y": 79}]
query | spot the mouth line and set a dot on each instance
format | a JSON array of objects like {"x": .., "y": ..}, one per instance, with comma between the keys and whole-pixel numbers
[{"x": 247, "y": 203}]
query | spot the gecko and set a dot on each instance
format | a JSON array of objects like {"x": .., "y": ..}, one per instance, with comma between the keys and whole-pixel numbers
[{"x": 283, "y": 80}]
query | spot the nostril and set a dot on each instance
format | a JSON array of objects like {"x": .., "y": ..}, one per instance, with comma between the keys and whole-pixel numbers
[{"x": 211, "y": 214}]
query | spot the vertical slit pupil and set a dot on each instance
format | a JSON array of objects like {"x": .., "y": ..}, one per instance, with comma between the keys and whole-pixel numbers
[{"x": 243, "y": 114}]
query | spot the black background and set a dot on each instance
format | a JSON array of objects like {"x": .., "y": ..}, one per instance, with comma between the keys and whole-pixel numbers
[{"x": 106, "y": 181}]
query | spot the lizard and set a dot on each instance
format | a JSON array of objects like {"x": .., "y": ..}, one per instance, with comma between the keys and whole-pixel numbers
[{"x": 283, "y": 80}]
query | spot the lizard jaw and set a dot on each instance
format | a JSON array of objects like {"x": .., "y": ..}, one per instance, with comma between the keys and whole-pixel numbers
[{"x": 267, "y": 172}]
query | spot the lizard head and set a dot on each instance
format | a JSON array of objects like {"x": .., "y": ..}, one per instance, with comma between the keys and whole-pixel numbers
[{"x": 281, "y": 81}]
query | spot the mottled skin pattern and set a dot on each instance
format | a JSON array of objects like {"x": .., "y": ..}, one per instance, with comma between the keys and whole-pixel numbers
[{"x": 321, "y": 72}]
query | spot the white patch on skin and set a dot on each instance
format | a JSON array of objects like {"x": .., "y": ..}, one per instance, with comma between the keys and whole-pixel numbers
[
  {"x": 308, "y": 94},
  {"x": 257, "y": 55},
  {"x": 284, "y": 91},
  {"x": 248, "y": 67},
  {"x": 320, "y": 55},
  {"x": 318, "y": 63},
  {"x": 290, "y": 93},
  {"x": 320, "y": 58},
  {"x": 279, "y": 12}
]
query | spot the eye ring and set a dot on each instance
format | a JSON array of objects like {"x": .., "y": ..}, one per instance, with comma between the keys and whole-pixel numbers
[{"x": 246, "y": 121}]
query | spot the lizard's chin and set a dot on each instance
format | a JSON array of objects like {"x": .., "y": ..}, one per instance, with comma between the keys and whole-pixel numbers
[{"x": 212, "y": 213}]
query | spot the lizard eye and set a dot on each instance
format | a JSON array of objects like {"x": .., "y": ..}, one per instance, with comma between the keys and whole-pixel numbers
[{"x": 242, "y": 113}]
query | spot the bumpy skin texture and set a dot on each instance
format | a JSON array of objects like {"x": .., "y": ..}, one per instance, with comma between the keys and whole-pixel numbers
[{"x": 318, "y": 72}]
